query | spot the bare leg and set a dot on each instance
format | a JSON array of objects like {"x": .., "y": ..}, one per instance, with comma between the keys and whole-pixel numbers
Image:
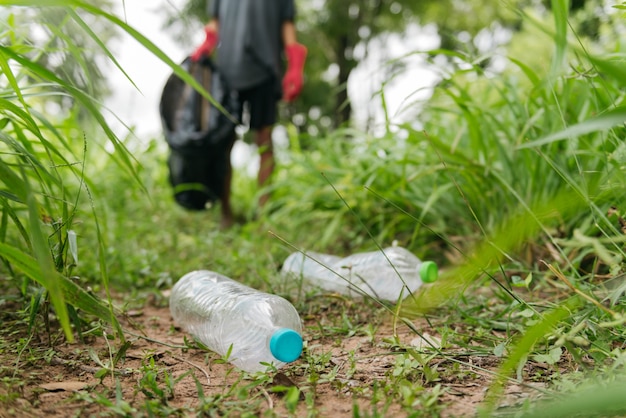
[{"x": 263, "y": 139}]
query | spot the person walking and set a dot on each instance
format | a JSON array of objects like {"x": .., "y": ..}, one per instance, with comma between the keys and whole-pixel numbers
[{"x": 251, "y": 37}]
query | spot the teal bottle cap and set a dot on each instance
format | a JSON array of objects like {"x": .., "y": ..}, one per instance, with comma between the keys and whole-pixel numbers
[
  {"x": 286, "y": 345},
  {"x": 428, "y": 271}
]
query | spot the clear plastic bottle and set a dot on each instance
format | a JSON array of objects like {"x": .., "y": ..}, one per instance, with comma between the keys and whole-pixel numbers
[
  {"x": 221, "y": 312},
  {"x": 368, "y": 273}
]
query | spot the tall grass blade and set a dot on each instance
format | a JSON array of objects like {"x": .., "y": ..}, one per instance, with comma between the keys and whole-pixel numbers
[
  {"x": 8, "y": 73},
  {"x": 47, "y": 275},
  {"x": 529, "y": 72},
  {"x": 149, "y": 45},
  {"x": 560, "y": 9},
  {"x": 597, "y": 400},
  {"x": 102, "y": 46},
  {"x": 9, "y": 213},
  {"x": 73, "y": 293},
  {"x": 122, "y": 154},
  {"x": 522, "y": 347},
  {"x": 606, "y": 121},
  {"x": 103, "y": 268},
  {"x": 488, "y": 255},
  {"x": 14, "y": 183}
]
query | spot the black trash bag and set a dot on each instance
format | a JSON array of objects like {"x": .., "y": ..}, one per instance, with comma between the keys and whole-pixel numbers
[{"x": 199, "y": 135}]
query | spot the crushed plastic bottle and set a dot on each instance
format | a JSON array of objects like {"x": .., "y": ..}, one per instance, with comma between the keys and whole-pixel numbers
[
  {"x": 368, "y": 273},
  {"x": 220, "y": 312}
]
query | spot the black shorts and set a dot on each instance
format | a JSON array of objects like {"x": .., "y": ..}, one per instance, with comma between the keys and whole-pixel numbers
[{"x": 261, "y": 103}]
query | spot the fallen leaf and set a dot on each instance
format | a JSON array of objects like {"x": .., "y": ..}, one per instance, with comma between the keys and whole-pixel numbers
[{"x": 68, "y": 386}]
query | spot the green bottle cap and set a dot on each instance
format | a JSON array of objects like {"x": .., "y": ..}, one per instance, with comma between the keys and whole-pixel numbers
[
  {"x": 286, "y": 345},
  {"x": 428, "y": 271}
]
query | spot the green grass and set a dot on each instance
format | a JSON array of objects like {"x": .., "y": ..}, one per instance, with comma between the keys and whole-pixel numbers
[{"x": 514, "y": 184}]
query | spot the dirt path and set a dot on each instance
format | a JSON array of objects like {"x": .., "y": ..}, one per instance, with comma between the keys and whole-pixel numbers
[{"x": 336, "y": 373}]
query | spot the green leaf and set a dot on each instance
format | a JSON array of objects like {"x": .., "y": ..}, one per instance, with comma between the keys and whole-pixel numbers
[
  {"x": 43, "y": 263},
  {"x": 552, "y": 357},
  {"x": 149, "y": 45},
  {"x": 292, "y": 397},
  {"x": 527, "y": 313},
  {"x": 615, "y": 69},
  {"x": 499, "y": 350},
  {"x": 518, "y": 282},
  {"x": 603, "y": 122},
  {"x": 101, "y": 373},
  {"x": 72, "y": 293},
  {"x": 616, "y": 294},
  {"x": 122, "y": 156},
  {"x": 523, "y": 346},
  {"x": 14, "y": 183},
  {"x": 35, "y": 304},
  {"x": 102, "y": 46},
  {"x": 529, "y": 72},
  {"x": 121, "y": 353}
]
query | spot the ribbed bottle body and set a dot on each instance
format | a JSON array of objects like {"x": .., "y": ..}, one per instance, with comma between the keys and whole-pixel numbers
[
  {"x": 367, "y": 272},
  {"x": 315, "y": 269},
  {"x": 221, "y": 312}
]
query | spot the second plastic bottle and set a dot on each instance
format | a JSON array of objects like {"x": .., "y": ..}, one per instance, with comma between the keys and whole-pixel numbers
[
  {"x": 385, "y": 274},
  {"x": 220, "y": 312}
]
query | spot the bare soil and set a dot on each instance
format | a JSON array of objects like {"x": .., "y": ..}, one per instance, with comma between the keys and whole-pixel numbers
[{"x": 60, "y": 379}]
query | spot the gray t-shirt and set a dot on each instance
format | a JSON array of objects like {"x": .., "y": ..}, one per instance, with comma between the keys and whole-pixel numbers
[{"x": 250, "y": 39}]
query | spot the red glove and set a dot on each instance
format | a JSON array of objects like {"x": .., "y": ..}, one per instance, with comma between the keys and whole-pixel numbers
[
  {"x": 207, "y": 46},
  {"x": 294, "y": 76}
]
